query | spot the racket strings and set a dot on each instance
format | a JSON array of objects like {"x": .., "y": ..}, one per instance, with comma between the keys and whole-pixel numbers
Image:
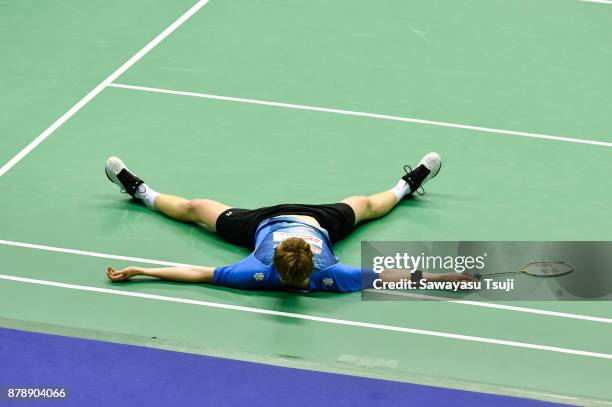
[
  {"x": 547, "y": 268},
  {"x": 539, "y": 269}
]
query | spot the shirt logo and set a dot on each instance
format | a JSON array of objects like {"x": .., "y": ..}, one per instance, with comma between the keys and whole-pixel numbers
[
  {"x": 258, "y": 276},
  {"x": 312, "y": 240},
  {"x": 229, "y": 213},
  {"x": 328, "y": 282}
]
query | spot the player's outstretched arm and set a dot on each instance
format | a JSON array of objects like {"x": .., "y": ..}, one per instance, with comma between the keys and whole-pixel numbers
[
  {"x": 183, "y": 274},
  {"x": 393, "y": 275}
]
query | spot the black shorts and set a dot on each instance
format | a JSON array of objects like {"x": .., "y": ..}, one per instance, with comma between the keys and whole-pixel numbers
[{"x": 238, "y": 226}]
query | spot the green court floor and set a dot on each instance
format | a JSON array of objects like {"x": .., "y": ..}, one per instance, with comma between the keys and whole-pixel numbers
[{"x": 537, "y": 67}]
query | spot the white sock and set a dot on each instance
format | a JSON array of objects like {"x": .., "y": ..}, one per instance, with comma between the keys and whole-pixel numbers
[
  {"x": 401, "y": 189},
  {"x": 148, "y": 196}
]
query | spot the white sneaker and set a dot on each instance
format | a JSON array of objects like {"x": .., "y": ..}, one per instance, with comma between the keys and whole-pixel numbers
[
  {"x": 118, "y": 174},
  {"x": 428, "y": 168}
]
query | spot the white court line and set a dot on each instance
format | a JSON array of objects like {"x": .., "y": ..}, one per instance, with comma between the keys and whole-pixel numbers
[
  {"x": 91, "y": 254},
  {"x": 93, "y": 93},
  {"x": 167, "y": 263},
  {"x": 362, "y": 114},
  {"x": 312, "y": 318},
  {"x": 598, "y": 1},
  {"x": 497, "y": 306}
]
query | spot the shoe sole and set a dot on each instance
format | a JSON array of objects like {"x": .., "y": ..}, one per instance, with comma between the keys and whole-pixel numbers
[
  {"x": 431, "y": 175},
  {"x": 108, "y": 176}
]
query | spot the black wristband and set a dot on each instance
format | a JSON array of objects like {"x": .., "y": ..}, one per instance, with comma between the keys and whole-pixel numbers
[{"x": 416, "y": 276}]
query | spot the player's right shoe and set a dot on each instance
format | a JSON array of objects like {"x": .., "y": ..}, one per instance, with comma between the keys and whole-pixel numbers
[
  {"x": 428, "y": 168},
  {"x": 118, "y": 174}
]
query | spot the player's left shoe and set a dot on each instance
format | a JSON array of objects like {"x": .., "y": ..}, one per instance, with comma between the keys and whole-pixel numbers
[
  {"x": 118, "y": 174},
  {"x": 428, "y": 168}
]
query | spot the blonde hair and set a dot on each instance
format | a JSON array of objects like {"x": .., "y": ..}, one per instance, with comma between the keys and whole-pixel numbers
[{"x": 293, "y": 260}]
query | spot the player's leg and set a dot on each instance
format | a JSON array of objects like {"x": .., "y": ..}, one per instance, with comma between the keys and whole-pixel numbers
[
  {"x": 204, "y": 211},
  {"x": 373, "y": 206},
  {"x": 377, "y": 205}
]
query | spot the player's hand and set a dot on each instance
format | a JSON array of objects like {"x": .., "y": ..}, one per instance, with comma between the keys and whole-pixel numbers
[
  {"x": 458, "y": 277},
  {"x": 121, "y": 275}
]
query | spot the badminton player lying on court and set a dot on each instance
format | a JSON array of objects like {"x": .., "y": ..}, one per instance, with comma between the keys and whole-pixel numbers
[{"x": 290, "y": 244}]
